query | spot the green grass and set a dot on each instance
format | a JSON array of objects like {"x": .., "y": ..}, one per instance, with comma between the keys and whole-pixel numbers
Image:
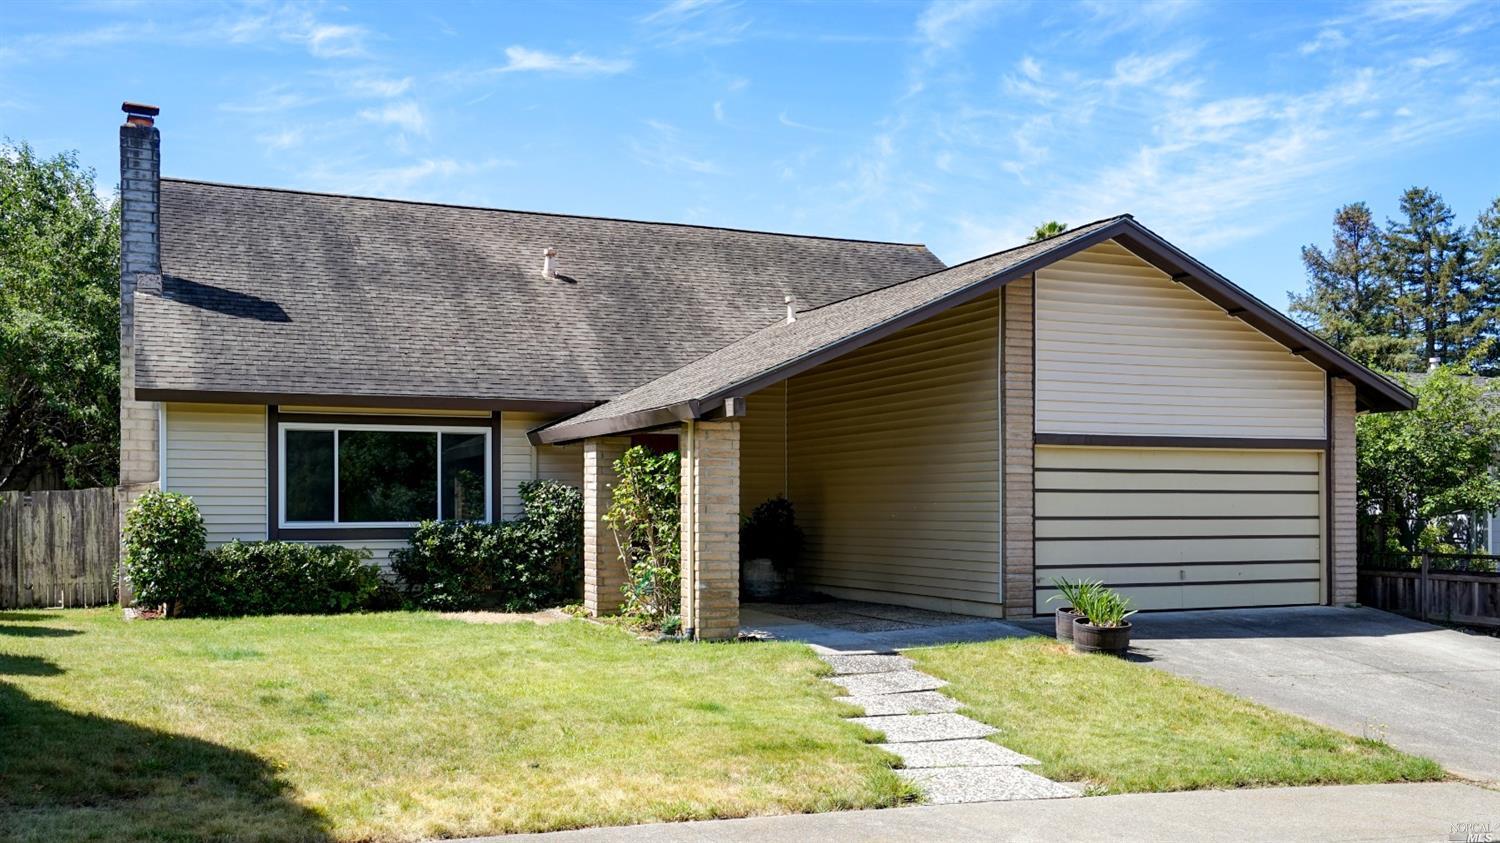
[
  {"x": 1123, "y": 727},
  {"x": 401, "y": 726}
]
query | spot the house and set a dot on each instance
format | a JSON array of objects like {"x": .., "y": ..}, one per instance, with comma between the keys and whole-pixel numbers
[{"x": 1099, "y": 404}]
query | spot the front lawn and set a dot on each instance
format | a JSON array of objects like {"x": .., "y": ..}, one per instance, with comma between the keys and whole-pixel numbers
[
  {"x": 1122, "y": 727},
  {"x": 404, "y": 725}
]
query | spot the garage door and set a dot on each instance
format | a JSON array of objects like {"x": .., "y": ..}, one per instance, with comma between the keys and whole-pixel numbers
[{"x": 1181, "y": 529}]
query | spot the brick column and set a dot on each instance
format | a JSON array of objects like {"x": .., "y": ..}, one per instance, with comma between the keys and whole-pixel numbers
[
  {"x": 1017, "y": 402},
  {"x": 603, "y": 569},
  {"x": 1344, "y": 588},
  {"x": 711, "y": 529},
  {"x": 140, "y": 274}
]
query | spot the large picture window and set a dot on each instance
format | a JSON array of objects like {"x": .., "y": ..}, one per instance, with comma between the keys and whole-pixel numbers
[{"x": 375, "y": 475}]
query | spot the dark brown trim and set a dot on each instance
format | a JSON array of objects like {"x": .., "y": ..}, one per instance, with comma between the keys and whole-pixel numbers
[
  {"x": 1225, "y": 442},
  {"x": 496, "y": 488},
  {"x": 1222, "y": 537},
  {"x": 414, "y": 402},
  {"x": 1071, "y": 490},
  {"x": 1177, "y": 517},
  {"x": 1057, "y": 565},
  {"x": 1328, "y": 492},
  {"x": 393, "y": 420},
  {"x": 1235, "y": 471},
  {"x": 1192, "y": 583},
  {"x": 352, "y": 531},
  {"x": 273, "y": 471}
]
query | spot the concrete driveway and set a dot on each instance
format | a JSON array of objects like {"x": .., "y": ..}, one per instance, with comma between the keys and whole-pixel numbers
[{"x": 1425, "y": 689}]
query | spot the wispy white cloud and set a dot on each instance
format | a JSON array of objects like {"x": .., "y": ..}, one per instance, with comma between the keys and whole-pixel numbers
[
  {"x": 378, "y": 86},
  {"x": 664, "y": 148},
  {"x": 784, "y": 120},
  {"x": 1328, "y": 38},
  {"x": 1139, "y": 69},
  {"x": 282, "y": 139},
  {"x": 703, "y": 23},
  {"x": 406, "y": 115},
  {"x": 525, "y": 60}
]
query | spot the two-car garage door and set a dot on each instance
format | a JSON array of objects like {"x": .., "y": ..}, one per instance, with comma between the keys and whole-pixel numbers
[{"x": 1180, "y": 528}]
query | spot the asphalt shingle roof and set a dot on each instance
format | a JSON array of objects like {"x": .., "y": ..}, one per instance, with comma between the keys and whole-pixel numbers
[
  {"x": 781, "y": 343},
  {"x": 283, "y": 292}
]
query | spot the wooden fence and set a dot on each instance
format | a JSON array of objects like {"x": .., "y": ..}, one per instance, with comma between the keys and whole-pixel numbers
[
  {"x": 1459, "y": 589},
  {"x": 58, "y": 548}
]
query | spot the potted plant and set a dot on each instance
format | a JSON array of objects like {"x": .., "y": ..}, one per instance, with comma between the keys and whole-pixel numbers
[
  {"x": 770, "y": 547},
  {"x": 1072, "y": 594},
  {"x": 1103, "y": 626}
]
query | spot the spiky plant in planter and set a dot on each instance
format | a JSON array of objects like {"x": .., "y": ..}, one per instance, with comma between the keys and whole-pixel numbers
[
  {"x": 1072, "y": 593},
  {"x": 1104, "y": 626}
]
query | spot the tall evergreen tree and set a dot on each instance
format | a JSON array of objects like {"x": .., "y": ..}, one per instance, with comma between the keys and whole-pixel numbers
[
  {"x": 1426, "y": 259},
  {"x": 1349, "y": 301},
  {"x": 1484, "y": 275}
]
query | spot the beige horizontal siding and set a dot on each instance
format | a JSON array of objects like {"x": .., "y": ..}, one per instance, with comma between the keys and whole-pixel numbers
[
  {"x": 216, "y": 454},
  {"x": 1182, "y": 528},
  {"x": 763, "y": 454},
  {"x": 894, "y": 465},
  {"x": 1122, "y": 349},
  {"x": 520, "y": 461}
]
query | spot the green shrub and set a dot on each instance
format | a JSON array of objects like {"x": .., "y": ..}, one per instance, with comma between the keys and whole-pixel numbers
[
  {"x": 289, "y": 578},
  {"x": 645, "y": 515},
  {"x": 163, "y": 542},
  {"x": 771, "y": 532},
  {"x": 519, "y": 566}
]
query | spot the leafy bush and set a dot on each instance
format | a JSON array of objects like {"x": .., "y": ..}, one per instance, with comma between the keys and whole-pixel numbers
[
  {"x": 1103, "y": 606},
  {"x": 164, "y": 540},
  {"x": 522, "y": 565},
  {"x": 645, "y": 515},
  {"x": 288, "y": 578},
  {"x": 771, "y": 532}
]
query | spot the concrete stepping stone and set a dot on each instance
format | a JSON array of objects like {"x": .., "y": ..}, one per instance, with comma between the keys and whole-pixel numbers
[
  {"x": 954, "y": 785},
  {"x": 915, "y": 702},
  {"x": 958, "y": 753},
  {"x": 857, "y": 664},
  {"x": 904, "y": 728},
  {"x": 890, "y": 682}
]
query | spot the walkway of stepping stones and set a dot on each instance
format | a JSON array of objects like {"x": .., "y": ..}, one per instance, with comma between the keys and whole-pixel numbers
[{"x": 944, "y": 753}]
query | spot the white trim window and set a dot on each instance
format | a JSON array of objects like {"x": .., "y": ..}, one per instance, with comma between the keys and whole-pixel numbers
[{"x": 374, "y": 475}]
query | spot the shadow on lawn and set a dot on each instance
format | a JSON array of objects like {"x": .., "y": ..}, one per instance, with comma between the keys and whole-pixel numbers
[
  {"x": 38, "y": 631},
  {"x": 79, "y": 777}
]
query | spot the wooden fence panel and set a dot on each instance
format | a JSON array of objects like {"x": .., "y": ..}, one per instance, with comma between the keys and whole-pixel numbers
[
  {"x": 58, "y": 548},
  {"x": 1462, "y": 597}
]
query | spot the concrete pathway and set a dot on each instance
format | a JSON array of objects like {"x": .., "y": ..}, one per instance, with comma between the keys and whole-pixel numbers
[
  {"x": 1425, "y": 689},
  {"x": 1386, "y": 812},
  {"x": 943, "y": 753}
]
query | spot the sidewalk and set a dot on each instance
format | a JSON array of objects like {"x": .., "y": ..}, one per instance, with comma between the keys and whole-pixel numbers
[{"x": 1437, "y": 811}]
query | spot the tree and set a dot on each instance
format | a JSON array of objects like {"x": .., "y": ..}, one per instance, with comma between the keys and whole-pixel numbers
[
  {"x": 1425, "y": 257},
  {"x": 1428, "y": 463},
  {"x": 1484, "y": 274},
  {"x": 1051, "y": 228},
  {"x": 1349, "y": 302},
  {"x": 59, "y": 324}
]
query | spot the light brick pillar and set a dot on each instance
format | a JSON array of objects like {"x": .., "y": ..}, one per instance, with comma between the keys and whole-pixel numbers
[
  {"x": 711, "y": 529},
  {"x": 1017, "y": 402},
  {"x": 1344, "y": 588},
  {"x": 140, "y": 273},
  {"x": 603, "y": 569}
]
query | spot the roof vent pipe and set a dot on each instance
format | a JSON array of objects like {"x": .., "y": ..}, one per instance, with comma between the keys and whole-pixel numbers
[
  {"x": 791, "y": 309},
  {"x": 549, "y": 262}
]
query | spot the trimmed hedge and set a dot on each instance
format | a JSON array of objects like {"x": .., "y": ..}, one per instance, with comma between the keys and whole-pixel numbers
[
  {"x": 163, "y": 542},
  {"x": 519, "y": 566}
]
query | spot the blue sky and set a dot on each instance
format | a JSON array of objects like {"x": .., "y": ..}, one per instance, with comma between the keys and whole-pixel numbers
[{"x": 1233, "y": 130}]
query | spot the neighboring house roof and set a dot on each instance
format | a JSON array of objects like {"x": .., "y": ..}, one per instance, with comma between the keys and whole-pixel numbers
[
  {"x": 780, "y": 350},
  {"x": 279, "y": 296}
]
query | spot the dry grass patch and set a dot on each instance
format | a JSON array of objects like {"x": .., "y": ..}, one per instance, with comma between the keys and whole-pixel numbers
[{"x": 403, "y": 726}]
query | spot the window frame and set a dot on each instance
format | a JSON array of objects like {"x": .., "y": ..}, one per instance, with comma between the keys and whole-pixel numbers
[{"x": 480, "y": 426}]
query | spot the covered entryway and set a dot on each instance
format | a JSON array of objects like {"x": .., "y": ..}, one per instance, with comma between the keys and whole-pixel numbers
[{"x": 1181, "y": 528}]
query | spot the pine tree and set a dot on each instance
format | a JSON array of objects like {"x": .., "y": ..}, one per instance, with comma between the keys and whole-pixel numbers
[
  {"x": 1484, "y": 275},
  {"x": 1349, "y": 301},
  {"x": 1426, "y": 258}
]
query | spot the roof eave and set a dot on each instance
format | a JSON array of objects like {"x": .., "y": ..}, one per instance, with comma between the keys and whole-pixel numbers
[{"x": 397, "y": 401}]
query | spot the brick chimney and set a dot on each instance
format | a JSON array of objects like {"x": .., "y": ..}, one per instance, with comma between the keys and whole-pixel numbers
[{"x": 140, "y": 274}]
